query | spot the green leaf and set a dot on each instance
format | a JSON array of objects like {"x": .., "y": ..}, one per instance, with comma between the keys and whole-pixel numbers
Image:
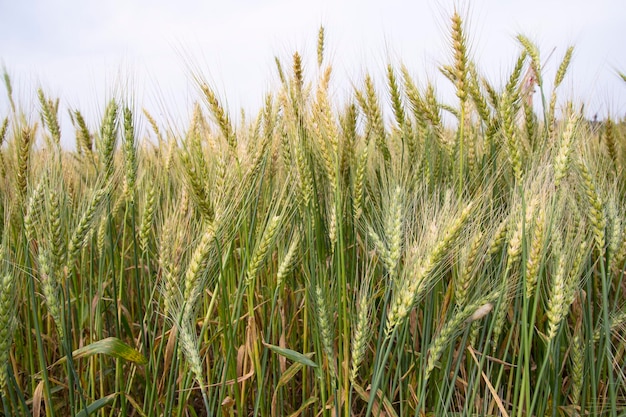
[
  {"x": 292, "y": 355},
  {"x": 96, "y": 405},
  {"x": 111, "y": 346},
  {"x": 292, "y": 371}
]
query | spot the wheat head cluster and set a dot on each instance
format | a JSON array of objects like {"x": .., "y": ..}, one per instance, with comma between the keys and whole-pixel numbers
[{"x": 320, "y": 257}]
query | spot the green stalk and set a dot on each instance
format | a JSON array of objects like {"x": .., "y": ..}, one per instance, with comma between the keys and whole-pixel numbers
[{"x": 607, "y": 332}]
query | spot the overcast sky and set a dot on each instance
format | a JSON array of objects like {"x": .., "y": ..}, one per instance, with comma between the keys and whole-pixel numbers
[{"x": 84, "y": 51}]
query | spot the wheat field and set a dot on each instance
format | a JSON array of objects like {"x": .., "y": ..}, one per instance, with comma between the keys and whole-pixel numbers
[{"x": 320, "y": 258}]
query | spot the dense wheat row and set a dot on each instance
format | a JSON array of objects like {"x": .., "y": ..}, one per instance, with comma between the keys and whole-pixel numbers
[{"x": 321, "y": 259}]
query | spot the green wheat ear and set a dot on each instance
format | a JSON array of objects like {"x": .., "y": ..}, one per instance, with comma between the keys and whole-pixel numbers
[{"x": 7, "y": 324}]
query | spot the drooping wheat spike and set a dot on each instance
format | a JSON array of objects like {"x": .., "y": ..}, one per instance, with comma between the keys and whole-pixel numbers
[
  {"x": 451, "y": 233},
  {"x": 459, "y": 46},
  {"x": 413, "y": 285},
  {"x": 170, "y": 241},
  {"x": 477, "y": 97},
  {"x": 452, "y": 110},
  {"x": 23, "y": 160},
  {"x": 619, "y": 256},
  {"x": 189, "y": 347},
  {"x": 320, "y": 46},
  {"x": 195, "y": 269},
  {"x": 130, "y": 155},
  {"x": 563, "y": 158},
  {"x": 433, "y": 115},
  {"x": 261, "y": 249},
  {"x": 393, "y": 231},
  {"x": 375, "y": 119},
  {"x": 533, "y": 52},
  {"x": 610, "y": 140},
  {"x": 577, "y": 368},
  {"x": 361, "y": 100},
  {"x": 57, "y": 232},
  {"x": 221, "y": 117},
  {"x": 220, "y": 182},
  {"x": 7, "y": 84},
  {"x": 120, "y": 201},
  {"x": 514, "y": 79},
  {"x": 560, "y": 74},
  {"x": 298, "y": 75},
  {"x": 85, "y": 225},
  {"x": 108, "y": 136},
  {"x": 472, "y": 312},
  {"x": 288, "y": 262},
  {"x": 7, "y": 324},
  {"x": 359, "y": 184},
  {"x": 614, "y": 227},
  {"x": 83, "y": 136},
  {"x": 148, "y": 216},
  {"x": 575, "y": 272},
  {"x": 361, "y": 332},
  {"x": 3, "y": 133},
  {"x": 498, "y": 238},
  {"x": 412, "y": 93},
  {"x": 381, "y": 248},
  {"x": 305, "y": 175},
  {"x": 195, "y": 183},
  {"x": 50, "y": 289},
  {"x": 396, "y": 98},
  {"x": 595, "y": 213},
  {"x": 269, "y": 116},
  {"x": 514, "y": 250},
  {"x": 325, "y": 327},
  {"x": 50, "y": 117},
  {"x": 514, "y": 253},
  {"x": 154, "y": 125},
  {"x": 535, "y": 255},
  {"x": 281, "y": 73},
  {"x": 492, "y": 94},
  {"x": 101, "y": 234},
  {"x": 510, "y": 134},
  {"x": 169, "y": 156},
  {"x": 530, "y": 124},
  {"x": 557, "y": 303},
  {"x": 449, "y": 73},
  {"x": 551, "y": 122},
  {"x": 464, "y": 278},
  {"x": 349, "y": 122},
  {"x": 332, "y": 227},
  {"x": 326, "y": 131},
  {"x": 616, "y": 322},
  {"x": 288, "y": 128},
  {"x": 33, "y": 211}
]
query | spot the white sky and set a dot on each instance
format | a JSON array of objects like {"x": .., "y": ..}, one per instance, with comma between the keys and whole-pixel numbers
[{"x": 83, "y": 51}]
